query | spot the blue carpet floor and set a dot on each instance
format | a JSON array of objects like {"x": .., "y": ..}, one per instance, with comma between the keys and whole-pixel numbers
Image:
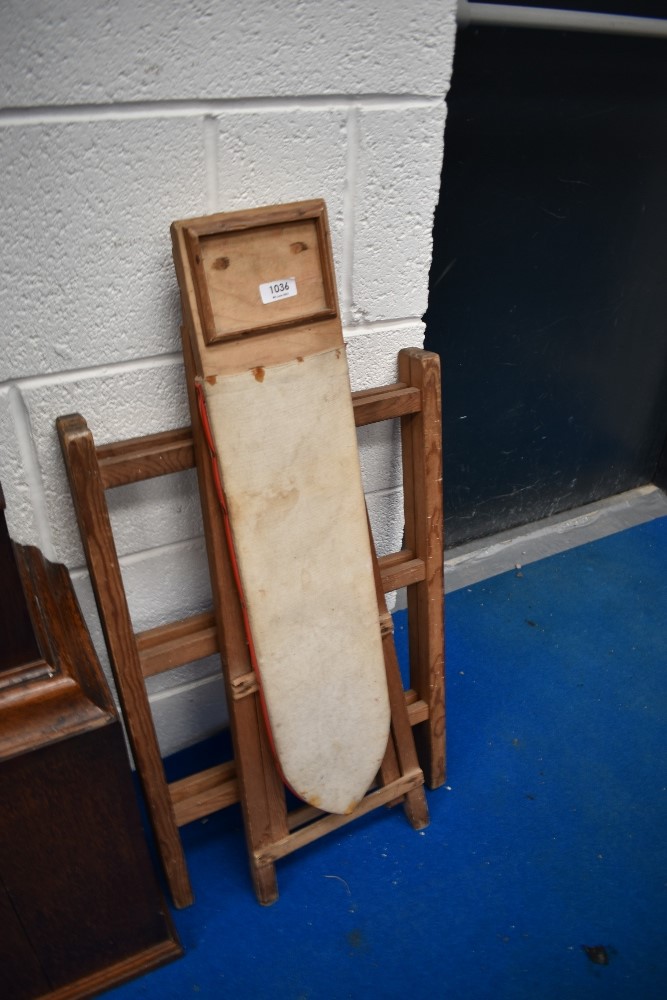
[{"x": 548, "y": 840}]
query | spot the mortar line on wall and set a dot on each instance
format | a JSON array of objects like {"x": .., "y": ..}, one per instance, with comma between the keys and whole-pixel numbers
[
  {"x": 386, "y": 491},
  {"x": 167, "y": 548},
  {"x": 361, "y": 327},
  {"x": 97, "y": 371},
  {"x": 31, "y": 470},
  {"x": 66, "y": 113},
  {"x": 178, "y": 689},
  {"x": 211, "y": 135},
  {"x": 129, "y": 559},
  {"x": 349, "y": 209},
  {"x": 111, "y": 369}
]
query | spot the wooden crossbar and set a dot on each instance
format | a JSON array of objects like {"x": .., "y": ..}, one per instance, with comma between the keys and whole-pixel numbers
[
  {"x": 136, "y": 656},
  {"x": 140, "y": 458}
]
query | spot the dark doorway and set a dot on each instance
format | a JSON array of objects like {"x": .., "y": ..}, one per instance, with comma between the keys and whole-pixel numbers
[{"x": 548, "y": 300}]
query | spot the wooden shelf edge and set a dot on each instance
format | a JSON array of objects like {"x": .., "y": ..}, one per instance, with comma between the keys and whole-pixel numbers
[{"x": 120, "y": 972}]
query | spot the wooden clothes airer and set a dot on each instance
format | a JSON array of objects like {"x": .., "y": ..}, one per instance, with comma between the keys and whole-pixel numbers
[
  {"x": 94, "y": 470},
  {"x": 310, "y": 667},
  {"x": 135, "y": 657}
]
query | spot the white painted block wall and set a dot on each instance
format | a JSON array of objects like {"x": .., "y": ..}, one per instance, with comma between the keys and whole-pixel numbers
[{"x": 119, "y": 118}]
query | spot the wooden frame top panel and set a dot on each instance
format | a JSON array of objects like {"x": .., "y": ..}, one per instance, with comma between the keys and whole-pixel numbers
[{"x": 262, "y": 270}]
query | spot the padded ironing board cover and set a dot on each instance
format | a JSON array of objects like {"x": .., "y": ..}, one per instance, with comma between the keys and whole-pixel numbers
[{"x": 287, "y": 451}]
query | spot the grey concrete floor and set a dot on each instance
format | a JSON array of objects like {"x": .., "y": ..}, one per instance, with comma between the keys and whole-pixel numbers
[{"x": 488, "y": 557}]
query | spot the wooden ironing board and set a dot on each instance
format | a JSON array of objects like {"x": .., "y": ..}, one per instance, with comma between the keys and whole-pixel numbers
[
  {"x": 252, "y": 778},
  {"x": 274, "y": 402},
  {"x": 269, "y": 396}
]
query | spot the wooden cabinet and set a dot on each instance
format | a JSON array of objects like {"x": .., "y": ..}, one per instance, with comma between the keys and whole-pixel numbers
[{"x": 80, "y": 907}]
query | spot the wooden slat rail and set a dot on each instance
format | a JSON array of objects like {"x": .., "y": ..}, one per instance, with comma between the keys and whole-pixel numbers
[
  {"x": 94, "y": 469},
  {"x": 424, "y": 535}
]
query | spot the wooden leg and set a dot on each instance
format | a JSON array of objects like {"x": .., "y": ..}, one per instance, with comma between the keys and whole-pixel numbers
[
  {"x": 422, "y": 474},
  {"x": 402, "y": 759},
  {"x": 97, "y": 537},
  {"x": 265, "y": 882},
  {"x": 415, "y": 806},
  {"x": 261, "y": 791}
]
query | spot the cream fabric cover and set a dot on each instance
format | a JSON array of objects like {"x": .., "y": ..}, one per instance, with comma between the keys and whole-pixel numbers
[{"x": 287, "y": 450}]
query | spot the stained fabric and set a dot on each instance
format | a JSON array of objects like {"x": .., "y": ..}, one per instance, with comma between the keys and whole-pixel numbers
[{"x": 287, "y": 451}]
